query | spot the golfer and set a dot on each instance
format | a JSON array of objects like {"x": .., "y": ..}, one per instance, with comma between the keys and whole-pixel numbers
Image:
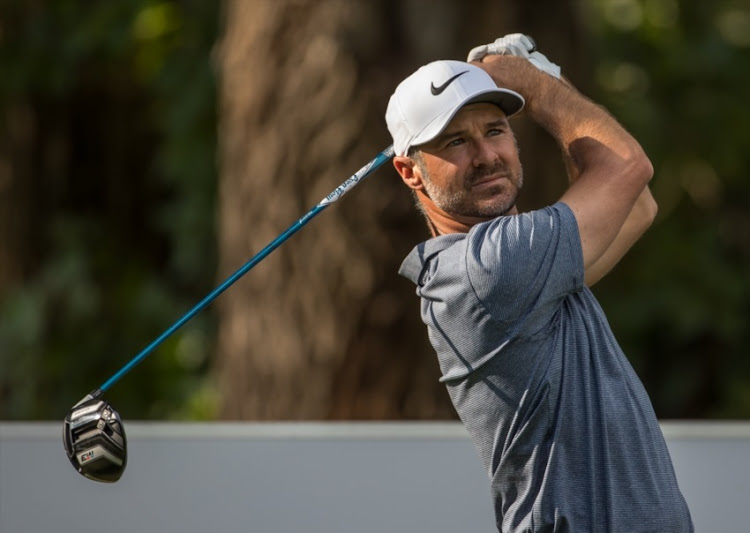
[{"x": 561, "y": 421}]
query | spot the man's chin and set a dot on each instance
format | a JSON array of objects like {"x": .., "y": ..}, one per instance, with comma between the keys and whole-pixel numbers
[
  {"x": 499, "y": 206},
  {"x": 492, "y": 204}
]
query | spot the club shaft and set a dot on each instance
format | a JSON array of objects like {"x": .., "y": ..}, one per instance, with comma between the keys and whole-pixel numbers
[{"x": 337, "y": 193}]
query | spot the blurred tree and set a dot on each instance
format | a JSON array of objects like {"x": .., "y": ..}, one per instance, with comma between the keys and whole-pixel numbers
[
  {"x": 677, "y": 74},
  {"x": 106, "y": 199},
  {"x": 14, "y": 196},
  {"x": 325, "y": 328}
]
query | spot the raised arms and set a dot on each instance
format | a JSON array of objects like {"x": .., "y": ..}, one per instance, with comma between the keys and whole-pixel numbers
[{"x": 609, "y": 171}]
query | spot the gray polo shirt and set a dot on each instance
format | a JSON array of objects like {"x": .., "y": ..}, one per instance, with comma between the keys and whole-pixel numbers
[{"x": 560, "y": 420}]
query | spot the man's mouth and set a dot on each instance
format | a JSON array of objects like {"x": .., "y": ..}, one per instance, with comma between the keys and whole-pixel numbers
[{"x": 488, "y": 181}]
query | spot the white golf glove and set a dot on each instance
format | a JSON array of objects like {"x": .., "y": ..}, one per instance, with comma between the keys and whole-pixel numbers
[{"x": 516, "y": 44}]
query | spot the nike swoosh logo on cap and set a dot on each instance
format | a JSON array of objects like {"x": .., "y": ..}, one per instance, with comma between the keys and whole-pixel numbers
[{"x": 438, "y": 90}]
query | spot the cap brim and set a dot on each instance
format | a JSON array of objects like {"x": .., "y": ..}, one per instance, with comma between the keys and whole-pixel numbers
[{"x": 510, "y": 102}]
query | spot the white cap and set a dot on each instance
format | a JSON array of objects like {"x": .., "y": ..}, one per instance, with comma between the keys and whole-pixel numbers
[{"x": 424, "y": 103}]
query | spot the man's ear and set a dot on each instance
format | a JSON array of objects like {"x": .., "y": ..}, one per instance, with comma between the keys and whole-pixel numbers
[{"x": 409, "y": 171}]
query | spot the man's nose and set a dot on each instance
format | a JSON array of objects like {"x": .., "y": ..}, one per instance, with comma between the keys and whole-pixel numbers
[{"x": 484, "y": 153}]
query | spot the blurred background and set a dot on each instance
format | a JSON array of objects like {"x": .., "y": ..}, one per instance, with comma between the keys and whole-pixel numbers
[{"x": 149, "y": 148}]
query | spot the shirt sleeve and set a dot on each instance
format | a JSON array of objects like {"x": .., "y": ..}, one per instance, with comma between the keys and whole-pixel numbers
[{"x": 522, "y": 266}]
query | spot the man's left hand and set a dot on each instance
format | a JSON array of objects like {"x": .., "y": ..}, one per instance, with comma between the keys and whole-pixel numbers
[{"x": 516, "y": 44}]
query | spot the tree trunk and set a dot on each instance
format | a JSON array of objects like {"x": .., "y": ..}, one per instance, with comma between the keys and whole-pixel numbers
[
  {"x": 324, "y": 327},
  {"x": 16, "y": 141}
]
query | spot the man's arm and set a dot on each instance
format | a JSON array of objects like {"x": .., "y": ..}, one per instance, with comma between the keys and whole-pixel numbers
[
  {"x": 609, "y": 169},
  {"x": 638, "y": 221}
]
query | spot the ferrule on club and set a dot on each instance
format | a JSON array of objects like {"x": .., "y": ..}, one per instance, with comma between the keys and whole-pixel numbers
[{"x": 362, "y": 173}]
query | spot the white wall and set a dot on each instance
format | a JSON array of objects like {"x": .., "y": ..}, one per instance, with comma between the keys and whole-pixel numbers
[{"x": 282, "y": 478}]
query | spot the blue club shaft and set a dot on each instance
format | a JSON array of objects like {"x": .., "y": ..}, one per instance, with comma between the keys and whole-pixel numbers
[{"x": 337, "y": 193}]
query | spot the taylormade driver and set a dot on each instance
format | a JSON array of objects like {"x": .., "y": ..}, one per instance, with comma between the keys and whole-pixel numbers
[
  {"x": 93, "y": 433},
  {"x": 94, "y": 439}
]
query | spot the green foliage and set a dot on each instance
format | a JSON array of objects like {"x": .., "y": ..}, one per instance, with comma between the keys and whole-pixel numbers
[
  {"x": 677, "y": 75},
  {"x": 127, "y": 240}
]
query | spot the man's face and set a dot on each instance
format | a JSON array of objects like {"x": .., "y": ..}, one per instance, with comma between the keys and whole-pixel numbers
[{"x": 472, "y": 168}]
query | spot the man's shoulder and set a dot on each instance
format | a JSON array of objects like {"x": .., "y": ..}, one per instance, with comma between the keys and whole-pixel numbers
[
  {"x": 415, "y": 262},
  {"x": 456, "y": 245},
  {"x": 521, "y": 233},
  {"x": 558, "y": 211}
]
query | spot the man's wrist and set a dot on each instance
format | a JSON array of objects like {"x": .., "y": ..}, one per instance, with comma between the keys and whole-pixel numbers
[
  {"x": 550, "y": 95},
  {"x": 519, "y": 75}
]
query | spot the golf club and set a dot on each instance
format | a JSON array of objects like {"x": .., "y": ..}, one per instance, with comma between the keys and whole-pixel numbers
[{"x": 93, "y": 432}]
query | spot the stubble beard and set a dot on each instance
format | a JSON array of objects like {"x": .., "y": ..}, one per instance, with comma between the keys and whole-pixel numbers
[{"x": 495, "y": 201}]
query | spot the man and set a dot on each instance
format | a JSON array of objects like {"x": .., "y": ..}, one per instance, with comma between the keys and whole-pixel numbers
[{"x": 559, "y": 418}]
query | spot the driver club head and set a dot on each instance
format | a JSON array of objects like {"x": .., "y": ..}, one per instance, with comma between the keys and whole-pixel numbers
[{"x": 94, "y": 439}]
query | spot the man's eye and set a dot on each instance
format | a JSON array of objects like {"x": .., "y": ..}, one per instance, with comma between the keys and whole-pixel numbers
[
  {"x": 494, "y": 131},
  {"x": 455, "y": 142}
]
